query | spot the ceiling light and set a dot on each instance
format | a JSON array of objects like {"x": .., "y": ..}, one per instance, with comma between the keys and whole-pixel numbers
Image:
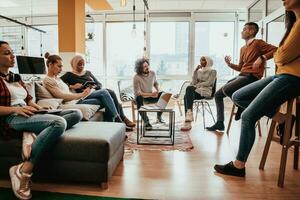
[{"x": 123, "y": 3}]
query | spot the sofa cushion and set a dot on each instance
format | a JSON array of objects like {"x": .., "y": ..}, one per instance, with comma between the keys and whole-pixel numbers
[
  {"x": 90, "y": 141},
  {"x": 87, "y": 110},
  {"x": 53, "y": 103},
  {"x": 86, "y": 141}
]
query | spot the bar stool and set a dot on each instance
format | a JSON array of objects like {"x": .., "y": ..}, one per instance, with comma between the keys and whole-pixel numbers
[
  {"x": 233, "y": 112},
  {"x": 287, "y": 141}
]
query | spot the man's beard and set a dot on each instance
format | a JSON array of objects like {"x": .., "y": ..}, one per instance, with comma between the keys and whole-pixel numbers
[{"x": 146, "y": 72}]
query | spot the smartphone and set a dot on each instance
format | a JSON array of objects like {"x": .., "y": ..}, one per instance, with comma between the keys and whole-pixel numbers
[{"x": 87, "y": 84}]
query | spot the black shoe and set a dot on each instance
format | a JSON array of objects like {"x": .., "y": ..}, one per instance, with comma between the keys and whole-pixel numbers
[
  {"x": 217, "y": 126},
  {"x": 230, "y": 169},
  {"x": 148, "y": 126},
  {"x": 238, "y": 114}
]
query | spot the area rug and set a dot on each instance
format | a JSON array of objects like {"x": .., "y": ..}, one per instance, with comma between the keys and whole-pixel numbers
[
  {"x": 182, "y": 142},
  {"x": 7, "y": 194}
]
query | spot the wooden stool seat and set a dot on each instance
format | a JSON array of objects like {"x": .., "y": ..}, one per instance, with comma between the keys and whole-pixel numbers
[{"x": 288, "y": 141}]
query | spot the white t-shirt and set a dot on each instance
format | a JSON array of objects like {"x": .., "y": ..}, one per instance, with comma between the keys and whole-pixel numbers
[{"x": 17, "y": 93}]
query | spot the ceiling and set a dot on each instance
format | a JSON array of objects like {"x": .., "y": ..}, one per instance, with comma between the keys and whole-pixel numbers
[{"x": 46, "y": 7}]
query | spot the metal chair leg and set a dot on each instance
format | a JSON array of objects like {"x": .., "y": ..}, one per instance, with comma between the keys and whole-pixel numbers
[
  {"x": 197, "y": 108},
  {"x": 203, "y": 113},
  {"x": 209, "y": 110}
]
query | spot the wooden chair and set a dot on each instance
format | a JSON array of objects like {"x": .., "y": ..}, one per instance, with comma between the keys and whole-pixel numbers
[
  {"x": 287, "y": 140},
  {"x": 126, "y": 95},
  {"x": 232, "y": 114}
]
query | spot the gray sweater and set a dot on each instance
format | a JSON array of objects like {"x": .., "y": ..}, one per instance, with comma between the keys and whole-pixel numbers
[
  {"x": 144, "y": 83},
  {"x": 204, "y": 80}
]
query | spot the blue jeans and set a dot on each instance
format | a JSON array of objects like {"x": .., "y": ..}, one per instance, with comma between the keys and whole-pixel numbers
[
  {"x": 102, "y": 98},
  {"x": 48, "y": 128},
  {"x": 261, "y": 98}
]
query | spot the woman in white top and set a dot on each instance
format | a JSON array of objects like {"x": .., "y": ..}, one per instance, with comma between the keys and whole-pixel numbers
[
  {"x": 203, "y": 80},
  {"x": 17, "y": 114}
]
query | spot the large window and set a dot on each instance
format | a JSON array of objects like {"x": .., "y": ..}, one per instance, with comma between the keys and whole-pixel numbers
[
  {"x": 123, "y": 48},
  {"x": 169, "y": 43},
  {"x": 13, "y": 35},
  {"x": 48, "y": 40},
  {"x": 215, "y": 39},
  {"x": 275, "y": 32},
  {"x": 94, "y": 50}
]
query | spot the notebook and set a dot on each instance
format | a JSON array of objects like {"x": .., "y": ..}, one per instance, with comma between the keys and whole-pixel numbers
[{"x": 161, "y": 103}]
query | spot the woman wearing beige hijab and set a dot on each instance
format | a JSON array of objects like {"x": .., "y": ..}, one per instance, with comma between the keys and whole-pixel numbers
[
  {"x": 79, "y": 76},
  {"x": 201, "y": 86}
]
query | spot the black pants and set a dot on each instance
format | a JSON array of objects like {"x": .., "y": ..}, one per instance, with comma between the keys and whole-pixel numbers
[
  {"x": 140, "y": 102},
  {"x": 228, "y": 89},
  {"x": 190, "y": 96}
]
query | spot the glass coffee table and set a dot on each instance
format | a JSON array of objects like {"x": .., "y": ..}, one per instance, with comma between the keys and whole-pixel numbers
[{"x": 163, "y": 134}]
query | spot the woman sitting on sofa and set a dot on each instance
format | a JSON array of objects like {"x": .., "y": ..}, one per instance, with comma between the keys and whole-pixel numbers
[
  {"x": 201, "y": 86},
  {"x": 60, "y": 90},
  {"x": 17, "y": 114},
  {"x": 79, "y": 76}
]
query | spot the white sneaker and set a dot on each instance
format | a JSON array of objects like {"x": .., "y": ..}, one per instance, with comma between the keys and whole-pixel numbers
[
  {"x": 189, "y": 116},
  {"x": 20, "y": 182},
  {"x": 186, "y": 127},
  {"x": 28, "y": 139}
]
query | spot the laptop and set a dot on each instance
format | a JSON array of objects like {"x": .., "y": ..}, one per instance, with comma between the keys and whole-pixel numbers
[{"x": 161, "y": 103}]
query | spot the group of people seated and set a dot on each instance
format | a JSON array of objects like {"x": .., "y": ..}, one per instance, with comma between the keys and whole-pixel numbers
[
  {"x": 72, "y": 89},
  {"x": 255, "y": 97}
]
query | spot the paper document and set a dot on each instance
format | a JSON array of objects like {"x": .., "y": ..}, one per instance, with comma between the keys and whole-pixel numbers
[{"x": 161, "y": 103}]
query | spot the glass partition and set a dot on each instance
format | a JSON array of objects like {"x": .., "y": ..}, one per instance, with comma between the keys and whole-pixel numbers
[
  {"x": 256, "y": 12},
  {"x": 275, "y": 32},
  {"x": 273, "y": 5}
]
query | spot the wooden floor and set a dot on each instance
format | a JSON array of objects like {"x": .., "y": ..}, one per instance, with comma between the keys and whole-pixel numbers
[{"x": 190, "y": 175}]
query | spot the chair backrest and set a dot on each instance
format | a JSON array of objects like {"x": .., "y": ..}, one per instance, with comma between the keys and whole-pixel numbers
[
  {"x": 126, "y": 93},
  {"x": 183, "y": 87}
]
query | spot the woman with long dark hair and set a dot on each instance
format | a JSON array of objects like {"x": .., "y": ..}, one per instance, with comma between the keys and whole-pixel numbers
[
  {"x": 18, "y": 115},
  {"x": 263, "y": 97}
]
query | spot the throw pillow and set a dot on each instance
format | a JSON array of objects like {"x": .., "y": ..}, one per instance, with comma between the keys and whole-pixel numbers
[
  {"x": 87, "y": 110},
  {"x": 53, "y": 103},
  {"x": 126, "y": 94},
  {"x": 42, "y": 92}
]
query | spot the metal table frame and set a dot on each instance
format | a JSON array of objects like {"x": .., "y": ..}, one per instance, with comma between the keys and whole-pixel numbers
[{"x": 142, "y": 131}]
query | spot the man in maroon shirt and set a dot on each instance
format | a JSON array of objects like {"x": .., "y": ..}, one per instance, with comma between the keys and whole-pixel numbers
[{"x": 253, "y": 56}]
